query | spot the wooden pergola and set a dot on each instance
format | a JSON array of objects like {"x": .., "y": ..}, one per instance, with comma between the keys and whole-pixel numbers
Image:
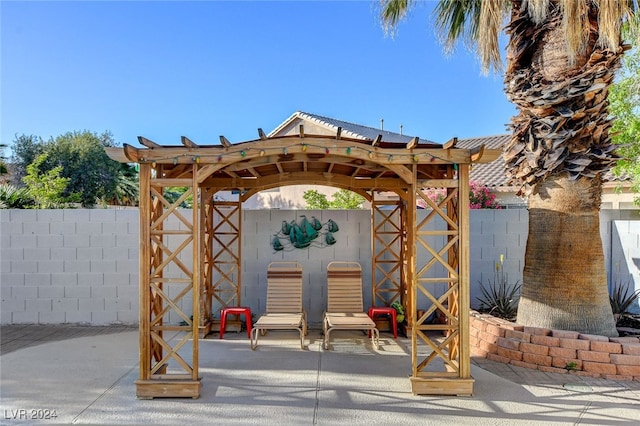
[{"x": 211, "y": 236}]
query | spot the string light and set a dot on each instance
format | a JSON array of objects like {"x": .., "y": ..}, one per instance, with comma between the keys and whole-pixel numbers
[{"x": 349, "y": 150}]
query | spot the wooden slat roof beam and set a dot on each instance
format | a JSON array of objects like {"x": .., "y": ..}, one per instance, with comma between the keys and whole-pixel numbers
[
  {"x": 188, "y": 143},
  {"x": 225, "y": 142},
  {"x": 413, "y": 143},
  {"x": 477, "y": 153},
  {"x": 451, "y": 143},
  {"x": 148, "y": 143}
]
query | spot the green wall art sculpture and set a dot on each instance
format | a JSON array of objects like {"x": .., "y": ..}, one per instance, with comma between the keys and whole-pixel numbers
[{"x": 304, "y": 234}]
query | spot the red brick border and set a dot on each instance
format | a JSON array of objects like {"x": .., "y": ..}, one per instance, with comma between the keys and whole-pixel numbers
[{"x": 555, "y": 350}]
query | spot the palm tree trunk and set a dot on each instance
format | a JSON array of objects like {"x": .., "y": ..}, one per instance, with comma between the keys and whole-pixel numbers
[
  {"x": 565, "y": 276},
  {"x": 559, "y": 149}
]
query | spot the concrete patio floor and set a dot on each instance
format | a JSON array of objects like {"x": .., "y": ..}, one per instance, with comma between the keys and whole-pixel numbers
[{"x": 86, "y": 376}]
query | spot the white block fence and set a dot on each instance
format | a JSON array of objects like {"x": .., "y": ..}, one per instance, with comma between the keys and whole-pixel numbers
[{"x": 81, "y": 266}]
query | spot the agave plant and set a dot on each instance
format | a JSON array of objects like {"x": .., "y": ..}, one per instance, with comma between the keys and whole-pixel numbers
[
  {"x": 622, "y": 297},
  {"x": 500, "y": 298}
]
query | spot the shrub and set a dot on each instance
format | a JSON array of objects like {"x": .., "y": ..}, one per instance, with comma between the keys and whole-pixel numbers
[{"x": 480, "y": 197}]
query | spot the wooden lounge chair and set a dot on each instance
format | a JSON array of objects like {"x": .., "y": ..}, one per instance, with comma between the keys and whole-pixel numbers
[
  {"x": 284, "y": 302},
  {"x": 344, "y": 302}
]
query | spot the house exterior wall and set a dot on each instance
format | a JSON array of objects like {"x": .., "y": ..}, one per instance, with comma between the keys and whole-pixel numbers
[{"x": 81, "y": 266}]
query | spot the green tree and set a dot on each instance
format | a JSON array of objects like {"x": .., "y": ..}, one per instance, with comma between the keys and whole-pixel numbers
[
  {"x": 342, "y": 200},
  {"x": 315, "y": 200},
  {"x": 561, "y": 59},
  {"x": 46, "y": 187},
  {"x": 93, "y": 176},
  {"x": 25, "y": 149},
  {"x": 173, "y": 194},
  {"x": 624, "y": 97},
  {"x": 345, "y": 199}
]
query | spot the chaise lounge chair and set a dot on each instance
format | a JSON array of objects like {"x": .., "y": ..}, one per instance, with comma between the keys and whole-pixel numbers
[
  {"x": 344, "y": 302},
  {"x": 284, "y": 302}
]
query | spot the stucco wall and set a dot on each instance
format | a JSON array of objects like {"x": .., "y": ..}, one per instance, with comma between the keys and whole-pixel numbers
[{"x": 81, "y": 266}]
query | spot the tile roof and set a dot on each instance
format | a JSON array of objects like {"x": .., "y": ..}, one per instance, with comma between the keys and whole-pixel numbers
[
  {"x": 492, "y": 175},
  {"x": 349, "y": 129}
]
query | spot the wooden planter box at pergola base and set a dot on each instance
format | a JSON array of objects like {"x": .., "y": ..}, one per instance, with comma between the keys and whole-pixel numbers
[{"x": 212, "y": 234}]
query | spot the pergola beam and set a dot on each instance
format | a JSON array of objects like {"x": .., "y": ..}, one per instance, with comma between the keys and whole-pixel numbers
[
  {"x": 225, "y": 142},
  {"x": 313, "y": 145},
  {"x": 301, "y": 178},
  {"x": 188, "y": 143},
  {"x": 413, "y": 142},
  {"x": 148, "y": 143},
  {"x": 451, "y": 143}
]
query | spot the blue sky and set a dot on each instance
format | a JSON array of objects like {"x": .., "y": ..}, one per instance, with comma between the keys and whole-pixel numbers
[{"x": 209, "y": 68}]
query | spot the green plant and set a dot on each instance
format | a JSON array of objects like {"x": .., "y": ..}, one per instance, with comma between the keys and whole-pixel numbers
[
  {"x": 622, "y": 297},
  {"x": 571, "y": 366},
  {"x": 399, "y": 311},
  {"x": 45, "y": 187},
  {"x": 12, "y": 197},
  {"x": 500, "y": 298},
  {"x": 342, "y": 200}
]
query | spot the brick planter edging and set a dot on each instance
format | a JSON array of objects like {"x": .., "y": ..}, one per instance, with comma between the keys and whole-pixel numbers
[{"x": 555, "y": 351}]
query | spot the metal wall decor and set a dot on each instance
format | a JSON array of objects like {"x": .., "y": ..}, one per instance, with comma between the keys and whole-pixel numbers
[{"x": 304, "y": 234}]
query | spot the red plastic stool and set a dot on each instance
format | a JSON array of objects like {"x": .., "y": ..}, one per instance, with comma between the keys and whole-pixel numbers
[
  {"x": 385, "y": 310},
  {"x": 235, "y": 310}
]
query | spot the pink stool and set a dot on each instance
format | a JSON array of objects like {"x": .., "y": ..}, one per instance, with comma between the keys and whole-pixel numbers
[
  {"x": 385, "y": 310},
  {"x": 235, "y": 310}
]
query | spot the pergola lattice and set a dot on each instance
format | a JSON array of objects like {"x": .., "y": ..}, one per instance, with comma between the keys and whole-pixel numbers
[{"x": 201, "y": 258}]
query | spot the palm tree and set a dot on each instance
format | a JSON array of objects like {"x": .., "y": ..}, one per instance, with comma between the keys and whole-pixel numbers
[{"x": 561, "y": 59}]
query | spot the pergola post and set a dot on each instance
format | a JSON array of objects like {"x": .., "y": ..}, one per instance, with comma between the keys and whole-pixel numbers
[
  {"x": 165, "y": 284},
  {"x": 388, "y": 282},
  {"x": 448, "y": 340}
]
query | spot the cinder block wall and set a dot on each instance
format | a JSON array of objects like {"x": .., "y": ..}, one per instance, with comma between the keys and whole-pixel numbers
[
  {"x": 81, "y": 266},
  {"x": 69, "y": 266}
]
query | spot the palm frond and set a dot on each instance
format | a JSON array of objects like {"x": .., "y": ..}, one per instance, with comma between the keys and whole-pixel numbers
[
  {"x": 537, "y": 10},
  {"x": 610, "y": 18},
  {"x": 394, "y": 11},
  {"x": 492, "y": 14},
  {"x": 456, "y": 20},
  {"x": 575, "y": 21}
]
